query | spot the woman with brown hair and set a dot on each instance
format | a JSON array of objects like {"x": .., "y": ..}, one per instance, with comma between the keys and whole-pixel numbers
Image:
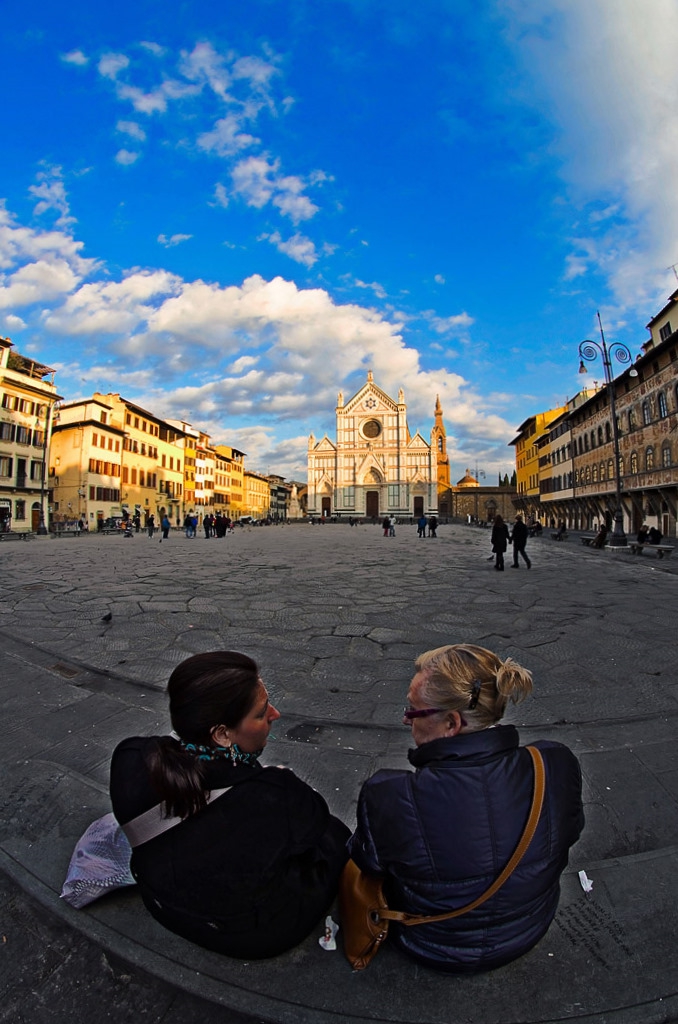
[
  {"x": 441, "y": 835},
  {"x": 500, "y": 539},
  {"x": 251, "y": 872}
]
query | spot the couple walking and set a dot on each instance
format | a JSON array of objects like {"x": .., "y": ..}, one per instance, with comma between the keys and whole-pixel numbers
[{"x": 501, "y": 539}]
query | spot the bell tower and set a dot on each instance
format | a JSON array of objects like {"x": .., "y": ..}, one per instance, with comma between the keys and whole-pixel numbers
[{"x": 439, "y": 445}]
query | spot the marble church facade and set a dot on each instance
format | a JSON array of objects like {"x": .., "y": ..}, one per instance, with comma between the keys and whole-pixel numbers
[{"x": 375, "y": 467}]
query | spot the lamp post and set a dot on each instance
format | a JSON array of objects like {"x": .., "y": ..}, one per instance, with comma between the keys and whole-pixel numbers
[{"x": 588, "y": 351}]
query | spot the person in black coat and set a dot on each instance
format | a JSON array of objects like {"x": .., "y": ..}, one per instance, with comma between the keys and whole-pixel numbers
[
  {"x": 500, "y": 540},
  {"x": 519, "y": 539},
  {"x": 251, "y": 873},
  {"x": 441, "y": 834}
]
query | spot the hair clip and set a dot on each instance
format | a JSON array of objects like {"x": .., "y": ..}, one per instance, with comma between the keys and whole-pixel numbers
[{"x": 475, "y": 693}]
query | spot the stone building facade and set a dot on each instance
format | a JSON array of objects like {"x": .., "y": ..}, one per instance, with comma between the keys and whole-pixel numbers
[
  {"x": 375, "y": 467},
  {"x": 577, "y": 471},
  {"x": 27, "y": 400}
]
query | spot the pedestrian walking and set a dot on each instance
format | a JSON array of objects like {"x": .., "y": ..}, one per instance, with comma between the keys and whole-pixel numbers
[
  {"x": 150, "y": 525},
  {"x": 386, "y": 524},
  {"x": 391, "y": 526},
  {"x": 519, "y": 539},
  {"x": 421, "y": 526},
  {"x": 166, "y": 527},
  {"x": 500, "y": 540},
  {"x": 432, "y": 526}
]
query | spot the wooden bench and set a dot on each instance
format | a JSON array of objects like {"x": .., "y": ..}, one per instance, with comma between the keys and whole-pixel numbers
[
  {"x": 588, "y": 540},
  {"x": 559, "y": 536},
  {"x": 663, "y": 550},
  {"x": 16, "y": 535}
]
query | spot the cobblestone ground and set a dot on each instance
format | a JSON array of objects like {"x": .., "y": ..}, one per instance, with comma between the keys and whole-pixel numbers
[{"x": 335, "y": 616}]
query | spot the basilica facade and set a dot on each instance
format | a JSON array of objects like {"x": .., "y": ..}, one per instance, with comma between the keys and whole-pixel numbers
[{"x": 375, "y": 467}]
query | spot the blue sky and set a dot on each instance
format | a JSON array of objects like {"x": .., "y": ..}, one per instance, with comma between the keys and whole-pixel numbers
[{"x": 230, "y": 212}]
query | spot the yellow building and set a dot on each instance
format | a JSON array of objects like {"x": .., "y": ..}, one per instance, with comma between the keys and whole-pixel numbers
[
  {"x": 85, "y": 465},
  {"x": 526, "y": 443},
  {"x": 257, "y": 501},
  {"x": 222, "y": 483},
  {"x": 235, "y": 460},
  {"x": 110, "y": 457},
  {"x": 27, "y": 402},
  {"x": 205, "y": 468}
]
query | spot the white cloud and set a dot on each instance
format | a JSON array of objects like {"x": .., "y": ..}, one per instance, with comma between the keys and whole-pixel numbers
[
  {"x": 154, "y": 48},
  {"x": 220, "y": 195},
  {"x": 14, "y": 323},
  {"x": 173, "y": 240},
  {"x": 374, "y": 286},
  {"x": 205, "y": 65},
  {"x": 111, "y": 64},
  {"x": 243, "y": 363},
  {"x": 19, "y": 244},
  {"x": 226, "y": 138},
  {"x": 43, "y": 281},
  {"x": 607, "y": 78},
  {"x": 257, "y": 180},
  {"x": 298, "y": 247},
  {"x": 439, "y": 279},
  {"x": 266, "y": 351},
  {"x": 126, "y": 157},
  {"x": 457, "y": 324},
  {"x": 51, "y": 193},
  {"x": 105, "y": 307},
  {"x": 132, "y": 129},
  {"x": 76, "y": 57}
]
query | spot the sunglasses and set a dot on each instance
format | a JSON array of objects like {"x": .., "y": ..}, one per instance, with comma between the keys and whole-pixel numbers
[{"x": 410, "y": 713}]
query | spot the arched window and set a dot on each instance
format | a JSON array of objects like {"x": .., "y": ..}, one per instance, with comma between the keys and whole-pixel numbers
[
  {"x": 649, "y": 457},
  {"x": 593, "y": 439},
  {"x": 633, "y": 466},
  {"x": 647, "y": 419},
  {"x": 600, "y": 435},
  {"x": 586, "y": 442},
  {"x": 602, "y": 471},
  {"x": 588, "y": 474},
  {"x": 666, "y": 455},
  {"x": 594, "y": 474},
  {"x": 621, "y": 466},
  {"x": 632, "y": 419},
  {"x": 610, "y": 469},
  {"x": 661, "y": 402},
  {"x": 608, "y": 432},
  {"x": 581, "y": 446}
]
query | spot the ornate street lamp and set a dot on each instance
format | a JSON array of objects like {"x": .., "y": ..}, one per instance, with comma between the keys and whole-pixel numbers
[{"x": 588, "y": 350}]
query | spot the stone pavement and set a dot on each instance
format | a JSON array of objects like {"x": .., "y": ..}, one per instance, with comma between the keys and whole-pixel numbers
[{"x": 90, "y": 629}]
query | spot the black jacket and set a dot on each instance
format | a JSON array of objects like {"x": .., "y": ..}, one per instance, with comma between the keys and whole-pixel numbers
[
  {"x": 252, "y": 873},
  {"x": 519, "y": 536},
  {"x": 442, "y": 834},
  {"x": 500, "y": 537}
]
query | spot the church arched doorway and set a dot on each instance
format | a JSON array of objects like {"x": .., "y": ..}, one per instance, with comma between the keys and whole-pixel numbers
[
  {"x": 372, "y": 504},
  {"x": 418, "y": 506},
  {"x": 326, "y": 508}
]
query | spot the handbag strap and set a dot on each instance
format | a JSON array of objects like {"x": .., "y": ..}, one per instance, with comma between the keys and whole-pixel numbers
[
  {"x": 153, "y": 823},
  {"x": 518, "y": 854}
]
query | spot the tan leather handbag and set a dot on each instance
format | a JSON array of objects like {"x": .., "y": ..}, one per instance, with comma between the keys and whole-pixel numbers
[{"x": 363, "y": 908}]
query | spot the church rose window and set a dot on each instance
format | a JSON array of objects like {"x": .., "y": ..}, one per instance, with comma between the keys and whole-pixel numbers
[{"x": 372, "y": 428}]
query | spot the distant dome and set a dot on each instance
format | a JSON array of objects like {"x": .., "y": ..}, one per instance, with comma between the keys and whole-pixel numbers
[{"x": 468, "y": 481}]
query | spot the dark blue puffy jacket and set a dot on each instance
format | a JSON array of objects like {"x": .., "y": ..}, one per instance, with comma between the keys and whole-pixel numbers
[{"x": 441, "y": 834}]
